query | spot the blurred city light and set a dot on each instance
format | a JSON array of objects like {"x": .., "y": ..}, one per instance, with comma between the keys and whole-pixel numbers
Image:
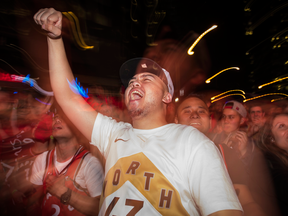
[
  {"x": 209, "y": 79},
  {"x": 228, "y": 96},
  {"x": 190, "y": 52},
  {"x": 278, "y": 80},
  {"x": 264, "y": 96},
  {"x": 212, "y": 98},
  {"x": 76, "y": 30}
]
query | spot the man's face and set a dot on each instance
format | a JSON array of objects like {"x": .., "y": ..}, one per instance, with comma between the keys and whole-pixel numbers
[
  {"x": 231, "y": 120},
  {"x": 194, "y": 112},
  {"x": 59, "y": 128},
  {"x": 5, "y": 103},
  {"x": 256, "y": 114},
  {"x": 144, "y": 94},
  {"x": 280, "y": 131},
  {"x": 174, "y": 58}
]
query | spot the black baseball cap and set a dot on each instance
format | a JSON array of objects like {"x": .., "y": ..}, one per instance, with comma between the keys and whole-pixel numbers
[{"x": 144, "y": 65}]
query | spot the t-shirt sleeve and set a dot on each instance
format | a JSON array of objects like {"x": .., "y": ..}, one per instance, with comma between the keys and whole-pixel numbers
[
  {"x": 209, "y": 182},
  {"x": 94, "y": 176},
  {"x": 103, "y": 129},
  {"x": 38, "y": 169}
]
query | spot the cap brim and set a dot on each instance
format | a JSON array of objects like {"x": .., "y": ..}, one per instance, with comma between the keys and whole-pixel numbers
[{"x": 138, "y": 65}]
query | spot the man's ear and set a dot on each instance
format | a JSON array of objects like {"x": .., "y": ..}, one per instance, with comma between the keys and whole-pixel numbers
[
  {"x": 176, "y": 119},
  {"x": 167, "y": 98},
  {"x": 242, "y": 120}
]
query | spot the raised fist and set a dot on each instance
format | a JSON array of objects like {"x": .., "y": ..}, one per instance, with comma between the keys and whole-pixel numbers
[{"x": 50, "y": 20}]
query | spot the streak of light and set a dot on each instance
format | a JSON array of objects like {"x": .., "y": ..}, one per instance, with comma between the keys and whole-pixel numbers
[
  {"x": 264, "y": 96},
  {"x": 278, "y": 34},
  {"x": 48, "y": 104},
  {"x": 190, "y": 52},
  {"x": 262, "y": 19},
  {"x": 76, "y": 30},
  {"x": 209, "y": 79},
  {"x": 77, "y": 88},
  {"x": 277, "y": 99},
  {"x": 228, "y": 96},
  {"x": 176, "y": 99},
  {"x": 212, "y": 98},
  {"x": 33, "y": 84},
  {"x": 278, "y": 44},
  {"x": 133, "y": 3},
  {"x": 278, "y": 80},
  {"x": 248, "y": 6}
]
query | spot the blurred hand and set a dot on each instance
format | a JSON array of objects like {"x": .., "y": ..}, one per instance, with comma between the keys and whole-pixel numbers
[
  {"x": 18, "y": 196},
  {"x": 56, "y": 185},
  {"x": 239, "y": 142},
  {"x": 50, "y": 20}
]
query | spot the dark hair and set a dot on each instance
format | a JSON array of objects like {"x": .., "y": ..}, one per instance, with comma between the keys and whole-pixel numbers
[
  {"x": 266, "y": 142},
  {"x": 193, "y": 95},
  {"x": 256, "y": 104}
]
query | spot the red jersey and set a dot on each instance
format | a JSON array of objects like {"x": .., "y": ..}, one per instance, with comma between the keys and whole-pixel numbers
[{"x": 51, "y": 205}]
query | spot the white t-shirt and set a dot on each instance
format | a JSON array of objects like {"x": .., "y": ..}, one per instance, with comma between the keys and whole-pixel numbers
[
  {"x": 170, "y": 170},
  {"x": 90, "y": 176}
]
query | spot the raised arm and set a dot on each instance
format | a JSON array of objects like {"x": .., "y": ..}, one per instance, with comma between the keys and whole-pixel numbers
[{"x": 75, "y": 107}]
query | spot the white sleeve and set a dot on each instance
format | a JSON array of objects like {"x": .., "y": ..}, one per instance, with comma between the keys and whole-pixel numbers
[
  {"x": 209, "y": 182},
  {"x": 94, "y": 176},
  {"x": 38, "y": 169},
  {"x": 104, "y": 127}
]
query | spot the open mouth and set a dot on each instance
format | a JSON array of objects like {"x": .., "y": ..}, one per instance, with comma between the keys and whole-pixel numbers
[
  {"x": 57, "y": 127},
  {"x": 136, "y": 95},
  {"x": 195, "y": 123}
]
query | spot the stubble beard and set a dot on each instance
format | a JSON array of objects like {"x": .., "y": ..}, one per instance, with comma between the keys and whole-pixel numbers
[{"x": 141, "y": 112}]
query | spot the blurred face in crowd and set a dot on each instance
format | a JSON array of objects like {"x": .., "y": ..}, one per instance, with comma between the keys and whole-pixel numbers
[
  {"x": 231, "y": 120},
  {"x": 60, "y": 129},
  {"x": 256, "y": 114},
  {"x": 280, "y": 131},
  {"x": 5, "y": 103},
  {"x": 193, "y": 111}
]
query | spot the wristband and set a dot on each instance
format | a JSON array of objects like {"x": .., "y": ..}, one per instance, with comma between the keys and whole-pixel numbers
[{"x": 65, "y": 197}]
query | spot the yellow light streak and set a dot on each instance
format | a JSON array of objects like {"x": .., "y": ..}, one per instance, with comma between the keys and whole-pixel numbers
[
  {"x": 76, "y": 30},
  {"x": 212, "y": 98},
  {"x": 176, "y": 99},
  {"x": 209, "y": 79},
  {"x": 227, "y": 96},
  {"x": 278, "y": 80},
  {"x": 273, "y": 100},
  {"x": 190, "y": 52},
  {"x": 279, "y": 44},
  {"x": 264, "y": 96}
]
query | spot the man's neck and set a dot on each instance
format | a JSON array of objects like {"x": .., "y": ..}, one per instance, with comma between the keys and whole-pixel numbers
[
  {"x": 149, "y": 122},
  {"x": 66, "y": 148},
  {"x": 40, "y": 147}
]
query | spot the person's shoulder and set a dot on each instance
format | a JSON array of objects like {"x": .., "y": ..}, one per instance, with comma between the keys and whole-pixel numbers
[
  {"x": 89, "y": 158},
  {"x": 101, "y": 118}
]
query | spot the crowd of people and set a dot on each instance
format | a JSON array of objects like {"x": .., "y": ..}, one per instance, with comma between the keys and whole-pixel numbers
[{"x": 141, "y": 153}]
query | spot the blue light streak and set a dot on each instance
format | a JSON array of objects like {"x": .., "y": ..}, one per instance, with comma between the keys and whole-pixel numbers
[
  {"x": 43, "y": 102},
  {"x": 78, "y": 89}
]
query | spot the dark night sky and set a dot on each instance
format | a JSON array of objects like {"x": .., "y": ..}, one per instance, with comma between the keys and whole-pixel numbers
[{"x": 107, "y": 25}]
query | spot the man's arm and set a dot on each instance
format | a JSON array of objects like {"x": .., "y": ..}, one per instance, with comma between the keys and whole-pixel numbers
[
  {"x": 73, "y": 105},
  {"x": 85, "y": 204},
  {"x": 227, "y": 213}
]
